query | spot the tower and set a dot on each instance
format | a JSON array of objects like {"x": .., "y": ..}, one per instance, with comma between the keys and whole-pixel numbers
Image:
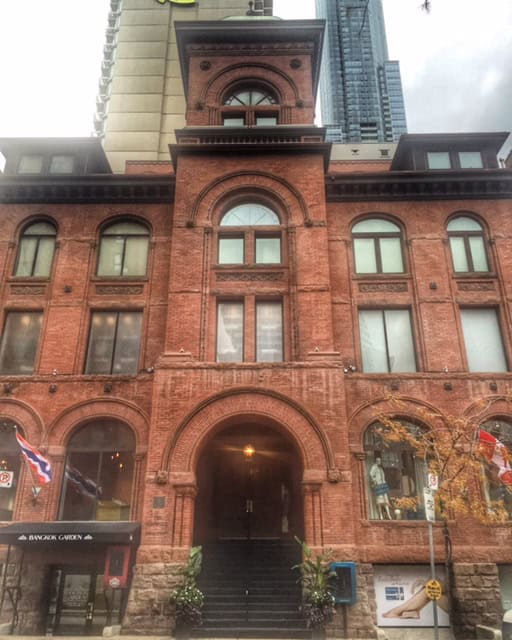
[{"x": 361, "y": 90}]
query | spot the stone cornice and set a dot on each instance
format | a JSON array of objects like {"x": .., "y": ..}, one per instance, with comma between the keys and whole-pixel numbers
[
  {"x": 87, "y": 189},
  {"x": 421, "y": 185}
]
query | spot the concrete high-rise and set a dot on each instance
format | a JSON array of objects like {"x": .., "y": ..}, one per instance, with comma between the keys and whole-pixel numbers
[
  {"x": 360, "y": 89},
  {"x": 141, "y": 100}
]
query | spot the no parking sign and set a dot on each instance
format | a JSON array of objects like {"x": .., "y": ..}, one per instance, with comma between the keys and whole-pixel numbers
[{"x": 6, "y": 478}]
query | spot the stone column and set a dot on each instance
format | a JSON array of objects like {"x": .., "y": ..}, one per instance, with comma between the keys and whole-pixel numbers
[
  {"x": 183, "y": 517},
  {"x": 313, "y": 513}
]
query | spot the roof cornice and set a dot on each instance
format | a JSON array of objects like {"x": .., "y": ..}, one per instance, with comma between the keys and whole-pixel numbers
[
  {"x": 87, "y": 189},
  {"x": 420, "y": 185}
]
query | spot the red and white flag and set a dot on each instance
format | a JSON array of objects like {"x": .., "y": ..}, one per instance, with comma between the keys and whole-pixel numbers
[
  {"x": 496, "y": 453},
  {"x": 40, "y": 465}
]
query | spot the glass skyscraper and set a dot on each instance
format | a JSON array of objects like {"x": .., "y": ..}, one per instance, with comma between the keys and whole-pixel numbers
[{"x": 360, "y": 89}]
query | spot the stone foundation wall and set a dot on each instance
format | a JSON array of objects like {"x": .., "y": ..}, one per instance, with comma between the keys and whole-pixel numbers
[
  {"x": 31, "y": 603},
  {"x": 148, "y": 611},
  {"x": 476, "y": 598},
  {"x": 359, "y": 619}
]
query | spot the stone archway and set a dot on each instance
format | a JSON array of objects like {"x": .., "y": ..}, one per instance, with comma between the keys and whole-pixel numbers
[
  {"x": 260, "y": 409},
  {"x": 249, "y": 485}
]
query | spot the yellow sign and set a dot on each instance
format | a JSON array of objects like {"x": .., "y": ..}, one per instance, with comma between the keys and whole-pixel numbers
[
  {"x": 177, "y": 1},
  {"x": 433, "y": 590}
]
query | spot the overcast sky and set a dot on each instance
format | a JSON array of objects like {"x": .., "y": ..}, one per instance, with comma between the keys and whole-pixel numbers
[{"x": 456, "y": 63}]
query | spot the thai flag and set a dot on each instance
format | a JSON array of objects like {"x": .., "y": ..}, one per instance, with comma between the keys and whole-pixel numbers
[
  {"x": 496, "y": 453},
  {"x": 82, "y": 484},
  {"x": 36, "y": 461}
]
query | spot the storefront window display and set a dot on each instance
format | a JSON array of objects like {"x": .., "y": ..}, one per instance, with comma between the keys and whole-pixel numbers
[{"x": 395, "y": 477}]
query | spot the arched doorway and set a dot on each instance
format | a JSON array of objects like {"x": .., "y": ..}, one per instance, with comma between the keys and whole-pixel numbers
[{"x": 249, "y": 486}]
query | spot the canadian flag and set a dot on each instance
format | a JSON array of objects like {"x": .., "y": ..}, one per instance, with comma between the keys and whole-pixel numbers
[{"x": 496, "y": 453}]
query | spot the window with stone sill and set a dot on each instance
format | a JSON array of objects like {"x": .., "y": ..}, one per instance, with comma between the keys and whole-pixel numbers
[
  {"x": 98, "y": 474},
  {"x": 485, "y": 350},
  {"x": 467, "y": 245},
  {"x": 36, "y": 250},
  {"x": 114, "y": 343},
  {"x": 10, "y": 462},
  {"x": 19, "y": 342},
  {"x": 239, "y": 339},
  {"x": 387, "y": 341},
  {"x": 377, "y": 246},
  {"x": 123, "y": 250},
  {"x": 395, "y": 477},
  {"x": 498, "y": 494},
  {"x": 249, "y": 233}
]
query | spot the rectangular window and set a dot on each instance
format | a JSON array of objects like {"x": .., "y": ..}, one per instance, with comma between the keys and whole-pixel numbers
[
  {"x": 269, "y": 331},
  {"x": 438, "y": 160},
  {"x": 230, "y": 332},
  {"x": 266, "y": 121},
  {"x": 20, "y": 339},
  {"x": 387, "y": 343},
  {"x": 31, "y": 164},
  {"x": 483, "y": 340},
  {"x": 114, "y": 342},
  {"x": 470, "y": 160},
  {"x": 233, "y": 121},
  {"x": 268, "y": 250},
  {"x": 231, "y": 250},
  {"x": 62, "y": 164}
]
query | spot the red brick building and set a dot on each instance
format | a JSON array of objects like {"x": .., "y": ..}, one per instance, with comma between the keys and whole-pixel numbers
[{"x": 251, "y": 291}]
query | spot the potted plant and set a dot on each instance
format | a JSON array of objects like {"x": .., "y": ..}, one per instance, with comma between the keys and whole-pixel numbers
[
  {"x": 187, "y": 598},
  {"x": 316, "y": 578}
]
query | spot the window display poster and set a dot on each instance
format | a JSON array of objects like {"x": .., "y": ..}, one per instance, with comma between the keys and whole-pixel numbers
[{"x": 402, "y": 600}]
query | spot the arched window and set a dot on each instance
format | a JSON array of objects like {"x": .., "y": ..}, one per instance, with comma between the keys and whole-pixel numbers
[
  {"x": 249, "y": 106},
  {"x": 395, "y": 477},
  {"x": 10, "y": 468},
  {"x": 242, "y": 244},
  {"x": 496, "y": 491},
  {"x": 467, "y": 244},
  {"x": 377, "y": 246},
  {"x": 35, "y": 253},
  {"x": 98, "y": 475},
  {"x": 124, "y": 249}
]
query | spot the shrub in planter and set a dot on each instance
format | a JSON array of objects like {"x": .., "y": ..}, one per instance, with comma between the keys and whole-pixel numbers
[
  {"x": 187, "y": 598},
  {"x": 316, "y": 578}
]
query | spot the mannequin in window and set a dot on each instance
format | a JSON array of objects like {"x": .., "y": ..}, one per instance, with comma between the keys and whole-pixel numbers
[{"x": 380, "y": 489}]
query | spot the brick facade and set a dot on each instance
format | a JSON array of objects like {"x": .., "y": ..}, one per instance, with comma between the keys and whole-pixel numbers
[{"x": 318, "y": 398}]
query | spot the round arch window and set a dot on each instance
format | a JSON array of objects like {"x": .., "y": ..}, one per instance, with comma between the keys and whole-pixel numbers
[
  {"x": 124, "y": 249},
  {"x": 250, "y": 106},
  {"x": 240, "y": 243},
  {"x": 395, "y": 477},
  {"x": 497, "y": 492},
  {"x": 467, "y": 245},
  {"x": 377, "y": 246},
  {"x": 36, "y": 250},
  {"x": 98, "y": 473}
]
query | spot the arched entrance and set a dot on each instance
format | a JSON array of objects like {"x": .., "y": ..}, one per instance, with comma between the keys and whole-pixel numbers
[{"x": 249, "y": 486}]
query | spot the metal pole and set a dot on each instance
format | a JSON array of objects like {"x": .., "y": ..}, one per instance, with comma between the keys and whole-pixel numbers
[{"x": 433, "y": 576}]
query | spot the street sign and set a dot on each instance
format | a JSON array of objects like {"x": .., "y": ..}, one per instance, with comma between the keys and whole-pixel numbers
[
  {"x": 430, "y": 504},
  {"x": 433, "y": 590},
  {"x": 433, "y": 481}
]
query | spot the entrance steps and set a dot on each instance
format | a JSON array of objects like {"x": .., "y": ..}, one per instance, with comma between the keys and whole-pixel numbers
[{"x": 250, "y": 590}]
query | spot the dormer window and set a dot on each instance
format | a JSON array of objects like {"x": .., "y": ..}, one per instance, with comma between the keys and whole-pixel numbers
[
  {"x": 62, "y": 164},
  {"x": 438, "y": 160},
  {"x": 470, "y": 160},
  {"x": 250, "y": 106},
  {"x": 31, "y": 164}
]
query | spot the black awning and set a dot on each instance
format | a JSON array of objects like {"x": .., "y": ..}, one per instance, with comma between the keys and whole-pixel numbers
[{"x": 77, "y": 533}]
